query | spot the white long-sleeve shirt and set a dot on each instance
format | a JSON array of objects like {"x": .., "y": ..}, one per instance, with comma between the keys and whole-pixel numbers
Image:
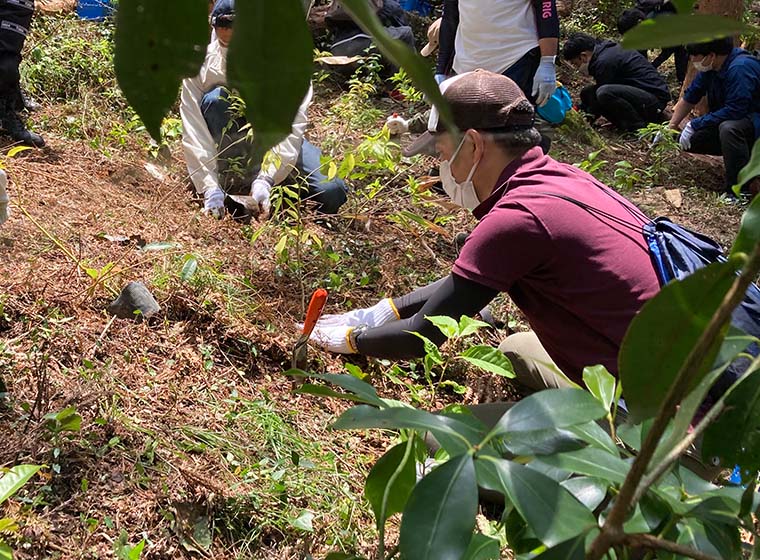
[{"x": 198, "y": 144}]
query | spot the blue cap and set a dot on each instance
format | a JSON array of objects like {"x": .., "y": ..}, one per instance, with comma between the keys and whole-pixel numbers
[{"x": 223, "y": 13}]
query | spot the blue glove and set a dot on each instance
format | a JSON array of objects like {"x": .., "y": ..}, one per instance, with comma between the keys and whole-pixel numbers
[
  {"x": 440, "y": 78},
  {"x": 545, "y": 80}
]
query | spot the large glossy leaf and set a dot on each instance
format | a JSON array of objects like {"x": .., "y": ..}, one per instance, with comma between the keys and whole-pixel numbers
[
  {"x": 573, "y": 549},
  {"x": 364, "y": 392},
  {"x": 454, "y": 436},
  {"x": 489, "y": 359},
  {"x": 270, "y": 63},
  {"x": 540, "y": 442},
  {"x": 664, "y": 332},
  {"x": 415, "y": 66},
  {"x": 749, "y": 232},
  {"x": 157, "y": 45},
  {"x": 587, "y": 490},
  {"x": 590, "y": 462},
  {"x": 440, "y": 516},
  {"x": 6, "y": 552},
  {"x": 717, "y": 540},
  {"x": 680, "y": 29},
  {"x": 601, "y": 384},
  {"x": 593, "y": 434},
  {"x": 391, "y": 481},
  {"x": 741, "y": 420},
  {"x": 554, "y": 514},
  {"x": 482, "y": 548},
  {"x": 14, "y": 479},
  {"x": 553, "y": 408},
  {"x": 717, "y": 509}
]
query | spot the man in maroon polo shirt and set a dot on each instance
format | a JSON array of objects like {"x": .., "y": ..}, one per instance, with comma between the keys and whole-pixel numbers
[{"x": 567, "y": 249}]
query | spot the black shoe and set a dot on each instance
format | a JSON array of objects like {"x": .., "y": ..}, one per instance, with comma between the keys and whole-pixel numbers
[
  {"x": 14, "y": 127},
  {"x": 27, "y": 103}
]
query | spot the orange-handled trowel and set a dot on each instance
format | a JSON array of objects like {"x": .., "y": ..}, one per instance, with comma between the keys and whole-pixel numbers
[{"x": 313, "y": 313}]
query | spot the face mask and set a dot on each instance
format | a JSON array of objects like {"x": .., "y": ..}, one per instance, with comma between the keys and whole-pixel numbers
[
  {"x": 584, "y": 69},
  {"x": 701, "y": 66},
  {"x": 461, "y": 194}
]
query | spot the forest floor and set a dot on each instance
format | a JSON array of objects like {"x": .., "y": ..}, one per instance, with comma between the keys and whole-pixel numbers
[{"x": 192, "y": 441}]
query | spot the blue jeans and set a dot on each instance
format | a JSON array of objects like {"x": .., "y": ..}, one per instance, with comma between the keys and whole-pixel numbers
[{"x": 231, "y": 144}]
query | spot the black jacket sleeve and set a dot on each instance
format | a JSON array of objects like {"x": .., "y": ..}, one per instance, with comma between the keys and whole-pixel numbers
[
  {"x": 547, "y": 19},
  {"x": 454, "y": 296},
  {"x": 447, "y": 35}
]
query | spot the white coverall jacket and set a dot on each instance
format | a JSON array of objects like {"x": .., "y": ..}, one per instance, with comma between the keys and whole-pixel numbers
[{"x": 199, "y": 146}]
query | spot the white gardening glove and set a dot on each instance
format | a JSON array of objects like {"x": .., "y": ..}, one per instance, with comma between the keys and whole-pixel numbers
[
  {"x": 213, "y": 203},
  {"x": 260, "y": 192},
  {"x": 685, "y": 139},
  {"x": 379, "y": 314},
  {"x": 4, "y": 200},
  {"x": 334, "y": 339},
  {"x": 545, "y": 80}
]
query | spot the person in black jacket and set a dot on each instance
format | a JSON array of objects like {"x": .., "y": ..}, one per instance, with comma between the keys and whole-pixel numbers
[
  {"x": 649, "y": 9},
  {"x": 628, "y": 92}
]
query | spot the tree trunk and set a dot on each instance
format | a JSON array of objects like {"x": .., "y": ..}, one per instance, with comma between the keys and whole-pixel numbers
[{"x": 727, "y": 8}]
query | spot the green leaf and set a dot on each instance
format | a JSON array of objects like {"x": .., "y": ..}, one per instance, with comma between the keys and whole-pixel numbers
[
  {"x": 554, "y": 514},
  {"x": 152, "y": 56},
  {"x": 741, "y": 419},
  {"x": 270, "y": 62},
  {"x": 14, "y": 479},
  {"x": 683, "y": 6},
  {"x": 717, "y": 509},
  {"x": 587, "y": 490},
  {"x": 552, "y": 408},
  {"x": 8, "y": 525},
  {"x": 304, "y": 521},
  {"x": 439, "y": 519},
  {"x": 446, "y": 325},
  {"x": 681, "y": 29},
  {"x": 136, "y": 551},
  {"x": 601, "y": 384},
  {"x": 749, "y": 231},
  {"x": 482, "y": 548},
  {"x": 415, "y": 66},
  {"x": 716, "y": 540},
  {"x": 391, "y": 481},
  {"x": 489, "y": 359},
  {"x": 67, "y": 420},
  {"x": 468, "y": 325},
  {"x": 6, "y": 552},
  {"x": 455, "y": 436},
  {"x": 590, "y": 462},
  {"x": 593, "y": 434},
  {"x": 573, "y": 549},
  {"x": 364, "y": 392},
  {"x": 189, "y": 269},
  {"x": 539, "y": 442},
  {"x": 663, "y": 333},
  {"x": 322, "y": 391}
]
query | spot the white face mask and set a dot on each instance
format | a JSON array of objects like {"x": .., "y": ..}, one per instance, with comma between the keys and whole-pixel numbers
[
  {"x": 462, "y": 194},
  {"x": 701, "y": 66},
  {"x": 584, "y": 69}
]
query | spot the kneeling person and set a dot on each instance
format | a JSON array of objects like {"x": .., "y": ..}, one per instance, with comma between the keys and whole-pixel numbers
[
  {"x": 730, "y": 78},
  {"x": 214, "y": 141},
  {"x": 629, "y": 92},
  {"x": 564, "y": 247}
]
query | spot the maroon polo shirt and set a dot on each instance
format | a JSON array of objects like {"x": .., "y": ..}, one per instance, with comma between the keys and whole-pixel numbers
[{"x": 579, "y": 276}]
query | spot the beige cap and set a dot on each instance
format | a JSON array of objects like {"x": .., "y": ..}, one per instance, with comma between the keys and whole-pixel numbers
[{"x": 434, "y": 31}]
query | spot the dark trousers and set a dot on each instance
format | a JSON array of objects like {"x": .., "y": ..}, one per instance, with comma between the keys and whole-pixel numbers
[
  {"x": 15, "y": 19},
  {"x": 235, "y": 171},
  {"x": 627, "y": 107},
  {"x": 680, "y": 58},
  {"x": 522, "y": 73},
  {"x": 731, "y": 139}
]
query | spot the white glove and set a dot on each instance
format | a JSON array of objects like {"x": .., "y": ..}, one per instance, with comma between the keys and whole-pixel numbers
[
  {"x": 4, "y": 200},
  {"x": 685, "y": 139},
  {"x": 334, "y": 339},
  {"x": 440, "y": 78},
  {"x": 213, "y": 203},
  {"x": 379, "y": 314},
  {"x": 260, "y": 192},
  {"x": 545, "y": 80}
]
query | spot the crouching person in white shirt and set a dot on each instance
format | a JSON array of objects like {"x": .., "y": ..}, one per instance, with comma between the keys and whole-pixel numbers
[{"x": 216, "y": 150}]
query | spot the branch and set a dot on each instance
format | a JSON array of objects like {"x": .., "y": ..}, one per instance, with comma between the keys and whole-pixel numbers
[
  {"x": 643, "y": 540},
  {"x": 677, "y": 451},
  {"x": 612, "y": 531}
]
